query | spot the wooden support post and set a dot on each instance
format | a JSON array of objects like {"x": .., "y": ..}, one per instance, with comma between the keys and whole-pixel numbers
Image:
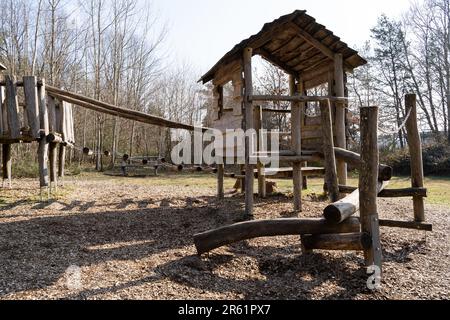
[
  {"x": 331, "y": 178},
  {"x": 43, "y": 144},
  {"x": 339, "y": 90},
  {"x": 220, "y": 181},
  {"x": 6, "y": 160},
  {"x": 3, "y": 122},
  {"x": 61, "y": 163},
  {"x": 261, "y": 169},
  {"x": 13, "y": 108},
  {"x": 32, "y": 105},
  {"x": 415, "y": 150},
  {"x": 53, "y": 165},
  {"x": 296, "y": 137},
  {"x": 368, "y": 184},
  {"x": 248, "y": 105}
]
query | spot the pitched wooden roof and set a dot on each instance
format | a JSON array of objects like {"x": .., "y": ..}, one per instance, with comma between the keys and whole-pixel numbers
[{"x": 297, "y": 44}]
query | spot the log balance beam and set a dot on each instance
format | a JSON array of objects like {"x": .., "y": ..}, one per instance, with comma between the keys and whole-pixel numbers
[{"x": 210, "y": 240}]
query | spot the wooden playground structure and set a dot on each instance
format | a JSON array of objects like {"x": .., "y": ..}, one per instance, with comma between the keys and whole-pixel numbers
[{"x": 312, "y": 56}]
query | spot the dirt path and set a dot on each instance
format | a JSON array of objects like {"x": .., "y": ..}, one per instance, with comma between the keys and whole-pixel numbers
[{"x": 132, "y": 240}]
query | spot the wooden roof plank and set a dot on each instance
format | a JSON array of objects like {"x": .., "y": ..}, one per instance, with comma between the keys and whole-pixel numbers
[{"x": 278, "y": 48}]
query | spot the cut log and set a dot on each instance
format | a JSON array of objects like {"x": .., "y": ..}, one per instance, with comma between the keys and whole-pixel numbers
[
  {"x": 210, "y": 240},
  {"x": 54, "y": 138},
  {"x": 345, "y": 208},
  {"x": 88, "y": 151},
  {"x": 350, "y": 242}
]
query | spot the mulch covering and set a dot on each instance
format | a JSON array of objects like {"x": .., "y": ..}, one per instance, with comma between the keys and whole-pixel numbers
[{"x": 134, "y": 241}]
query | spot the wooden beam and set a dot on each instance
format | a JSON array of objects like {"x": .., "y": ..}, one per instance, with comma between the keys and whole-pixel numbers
[
  {"x": 7, "y": 164},
  {"x": 61, "y": 164},
  {"x": 274, "y": 60},
  {"x": 3, "y": 116},
  {"x": 368, "y": 184},
  {"x": 106, "y": 108},
  {"x": 384, "y": 172},
  {"x": 260, "y": 167},
  {"x": 347, "y": 242},
  {"x": 296, "y": 141},
  {"x": 210, "y": 240},
  {"x": 316, "y": 43},
  {"x": 296, "y": 98},
  {"x": 32, "y": 105},
  {"x": 406, "y": 225},
  {"x": 415, "y": 149},
  {"x": 249, "y": 125},
  {"x": 53, "y": 165},
  {"x": 328, "y": 151},
  {"x": 220, "y": 181},
  {"x": 389, "y": 193},
  {"x": 12, "y": 108},
  {"x": 341, "y": 137},
  {"x": 270, "y": 110},
  {"x": 43, "y": 144}
]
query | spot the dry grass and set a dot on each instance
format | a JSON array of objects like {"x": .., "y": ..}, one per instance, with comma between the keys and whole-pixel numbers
[{"x": 132, "y": 239}]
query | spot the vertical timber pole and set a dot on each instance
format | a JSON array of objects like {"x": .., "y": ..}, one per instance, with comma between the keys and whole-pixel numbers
[
  {"x": 368, "y": 184},
  {"x": 331, "y": 177},
  {"x": 415, "y": 150},
  {"x": 43, "y": 144},
  {"x": 248, "y": 106},
  {"x": 261, "y": 168},
  {"x": 296, "y": 121},
  {"x": 339, "y": 89},
  {"x": 220, "y": 180},
  {"x": 61, "y": 163},
  {"x": 6, "y": 159},
  {"x": 53, "y": 156}
]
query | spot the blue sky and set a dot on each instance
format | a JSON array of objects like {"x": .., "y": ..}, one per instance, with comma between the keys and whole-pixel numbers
[{"x": 202, "y": 31}]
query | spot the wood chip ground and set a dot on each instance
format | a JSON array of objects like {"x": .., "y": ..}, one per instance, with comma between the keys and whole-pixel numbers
[{"x": 132, "y": 240}]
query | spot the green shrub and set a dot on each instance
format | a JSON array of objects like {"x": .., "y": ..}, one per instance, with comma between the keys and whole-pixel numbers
[{"x": 436, "y": 160}]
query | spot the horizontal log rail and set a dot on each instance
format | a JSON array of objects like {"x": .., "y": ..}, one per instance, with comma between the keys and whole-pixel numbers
[
  {"x": 297, "y": 98},
  {"x": 384, "y": 172},
  {"x": 406, "y": 225},
  {"x": 107, "y": 108},
  {"x": 390, "y": 193},
  {"x": 210, "y": 240}
]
